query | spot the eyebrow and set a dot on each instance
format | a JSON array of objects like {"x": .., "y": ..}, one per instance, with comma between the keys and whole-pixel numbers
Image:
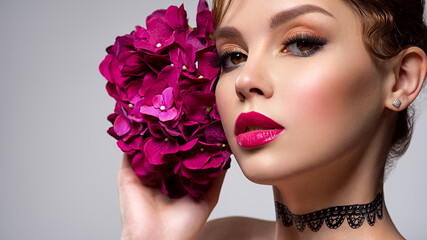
[
  {"x": 230, "y": 33},
  {"x": 289, "y": 14},
  {"x": 277, "y": 20}
]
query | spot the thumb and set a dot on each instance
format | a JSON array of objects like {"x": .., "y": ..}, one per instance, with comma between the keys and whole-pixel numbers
[{"x": 212, "y": 195}]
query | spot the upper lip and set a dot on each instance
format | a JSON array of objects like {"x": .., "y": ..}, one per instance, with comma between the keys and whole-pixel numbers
[{"x": 254, "y": 119}]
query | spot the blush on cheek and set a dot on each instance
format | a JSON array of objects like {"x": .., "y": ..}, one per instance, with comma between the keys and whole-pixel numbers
[
  {"x": 322, "y": 115},
  {"x": 332, "y": 103},
  {"x": 319, "y": 98}
]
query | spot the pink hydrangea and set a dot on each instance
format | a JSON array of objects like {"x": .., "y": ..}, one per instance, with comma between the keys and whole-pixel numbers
[{"x": 165, "y": 116}]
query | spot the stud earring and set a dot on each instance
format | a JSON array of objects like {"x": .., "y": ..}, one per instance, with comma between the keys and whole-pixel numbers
[{"x": 397, "y": 103}]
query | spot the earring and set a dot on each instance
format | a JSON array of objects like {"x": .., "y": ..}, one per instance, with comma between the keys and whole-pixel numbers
[{"x": 397, "y": 103}]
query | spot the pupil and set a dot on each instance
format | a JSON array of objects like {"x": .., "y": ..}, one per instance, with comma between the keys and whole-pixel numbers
[
  {"x": 304, "y": 46},
  {"x": 237, "y": 58}
]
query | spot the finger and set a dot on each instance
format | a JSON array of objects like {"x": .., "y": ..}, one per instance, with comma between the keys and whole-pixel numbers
[
  {"x": 130, "y": 183},
  {"x": 126, "y": 170},
  {"x": 126, "y": 176},
  {"x": 214, "y": 192},
  {"x": 125, "y": 162}
]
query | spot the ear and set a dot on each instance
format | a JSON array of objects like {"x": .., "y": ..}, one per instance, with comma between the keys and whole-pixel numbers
[{"x": 409, "y": 68}]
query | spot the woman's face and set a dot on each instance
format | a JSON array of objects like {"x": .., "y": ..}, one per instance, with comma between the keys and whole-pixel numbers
[{"x": 301, "y": 63}]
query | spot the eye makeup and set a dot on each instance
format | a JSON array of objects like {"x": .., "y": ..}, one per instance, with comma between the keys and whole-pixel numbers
[
  {"x": 303, "y": 44},
  {"x": 228, "y": 60}
]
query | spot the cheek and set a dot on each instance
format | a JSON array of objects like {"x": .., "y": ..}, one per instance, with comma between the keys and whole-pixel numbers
[
  {"x": 315, "y": 100},
  {"x": 333, "y": 95},
  {"x": 318, "y": 98},
  {"x": 335, "y": 107}
]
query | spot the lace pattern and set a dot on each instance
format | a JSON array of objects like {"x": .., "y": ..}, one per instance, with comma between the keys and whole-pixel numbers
[{"x": 333, "y": 216}]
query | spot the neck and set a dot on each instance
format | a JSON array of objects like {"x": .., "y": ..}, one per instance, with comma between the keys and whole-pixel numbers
[{"x": 353, "y": 178}]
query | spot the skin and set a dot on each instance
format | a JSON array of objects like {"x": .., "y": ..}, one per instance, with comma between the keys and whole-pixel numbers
[
  {"x": 335, "y": 105},
  {"x": 335, "y": 110},
  {"x": 147, "y": 213},
  {"x": 327, "y": 104}
]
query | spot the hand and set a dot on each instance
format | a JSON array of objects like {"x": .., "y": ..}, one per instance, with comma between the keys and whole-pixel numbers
[{"x": 148, "y": 214}]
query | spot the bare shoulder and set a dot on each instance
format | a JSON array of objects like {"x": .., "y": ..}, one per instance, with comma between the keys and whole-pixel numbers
[{"x": 237, "y": 228}]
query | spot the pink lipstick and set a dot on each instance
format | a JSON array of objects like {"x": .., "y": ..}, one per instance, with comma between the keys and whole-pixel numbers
[{"x": 253, "y": 129}]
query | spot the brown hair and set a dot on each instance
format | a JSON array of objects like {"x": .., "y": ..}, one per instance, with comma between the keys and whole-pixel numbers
[{"x": 389, "y": 26}]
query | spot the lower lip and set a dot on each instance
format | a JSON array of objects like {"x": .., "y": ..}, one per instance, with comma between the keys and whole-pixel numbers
[{"x": 257, "y": 138}]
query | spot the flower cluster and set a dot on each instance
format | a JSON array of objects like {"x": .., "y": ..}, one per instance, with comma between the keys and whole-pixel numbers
[{"x": 165, "y": 116}]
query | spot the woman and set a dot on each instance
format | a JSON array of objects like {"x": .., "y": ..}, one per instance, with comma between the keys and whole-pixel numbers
[{"x": 313, "y": 97}]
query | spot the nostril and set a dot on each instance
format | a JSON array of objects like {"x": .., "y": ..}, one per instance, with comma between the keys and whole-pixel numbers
[
  {"x": 241, "y": 96},
  {"x": 256, "y": 90}
]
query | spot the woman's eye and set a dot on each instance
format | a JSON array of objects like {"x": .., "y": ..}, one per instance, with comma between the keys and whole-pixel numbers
[
  {"x": 303, "y": 46},
  {"x": 230, "y": 61},
  {"x": 237, "y": 58}
]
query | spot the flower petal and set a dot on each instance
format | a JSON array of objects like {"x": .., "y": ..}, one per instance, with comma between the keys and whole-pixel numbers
[
  {"x": 153, "y": 149},
  {"x": 203, "y": 5},
  {"x": 121, "y": 125},
  {"x": 168, "y": 115},
  {"x": 170, "y": 147},
  {"x": 215, "y": 133},
  {"x": 152, "y": 111},
  {"x": 214, "y": 162},
  {"x": 176, "y": 17},
  {"x": 189, "y": 145},
  {"x": 167, "y": 97},
  {"x": 123, "y": 146},
  {"x": 170, "y": 75},
  {"x": 158, "y": 101},
  {"x": 104, "y": 67},
  {"x": 159, "y": 30},
  {"x": 197, "y": 161},
  {"x": 205, "y": 66},
  {"x": 138, "y": 165}
]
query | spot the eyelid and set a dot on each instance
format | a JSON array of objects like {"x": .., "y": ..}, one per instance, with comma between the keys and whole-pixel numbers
[
  {"x": 304, "y": 36},
  {"x": 314, "y": 38},
  {"x": 228, "y": 48}
]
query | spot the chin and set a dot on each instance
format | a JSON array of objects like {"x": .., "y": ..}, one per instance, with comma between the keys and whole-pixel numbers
[
  {"x": 267, "y": 169},
  {"x": 275, "y": 164}
]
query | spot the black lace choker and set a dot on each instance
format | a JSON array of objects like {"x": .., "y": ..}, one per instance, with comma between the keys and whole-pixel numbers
[{"x": 333, "y": 216}]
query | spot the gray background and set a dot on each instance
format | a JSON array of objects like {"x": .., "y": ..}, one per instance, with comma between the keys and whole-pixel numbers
[{"x": 58, "y": 166}]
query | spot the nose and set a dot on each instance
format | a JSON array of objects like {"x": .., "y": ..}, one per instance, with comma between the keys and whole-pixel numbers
[{"x": 254, "y": 80}]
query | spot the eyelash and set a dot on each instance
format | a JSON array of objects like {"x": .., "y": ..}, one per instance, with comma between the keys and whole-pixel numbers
[
  {"x": 315, "y": 41},
  {"x": 218, "y": 61}
]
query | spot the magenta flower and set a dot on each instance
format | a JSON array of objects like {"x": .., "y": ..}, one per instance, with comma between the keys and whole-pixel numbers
[
  {"x": 165, "y": 116},
  {"x": 201, "y": 156},
  {"x": 158, "y": 34},
  {"x": 164, "y": 27},
  {"x": 199, "y": 105},
  {"x": 162, "y": 106},
  {"x": 156, "y": 149},
  {"x": 121, "y": 125},
  {"x": 184, "y": 58}
]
